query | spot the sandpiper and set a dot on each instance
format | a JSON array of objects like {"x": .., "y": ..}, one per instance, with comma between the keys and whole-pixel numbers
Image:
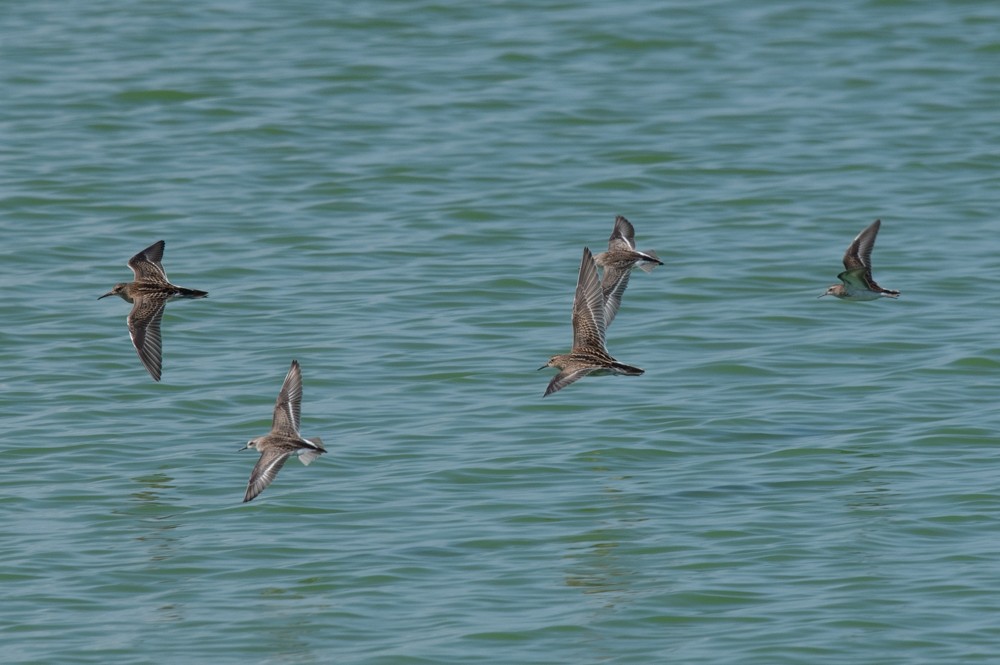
[
  {"x": 857, "y": 276},
  {"x": 589, "y": 354},
  {"x": 618, "y": 263},
  {"x": 284, "y": 439},
  {"x": 149, "y": 294}
]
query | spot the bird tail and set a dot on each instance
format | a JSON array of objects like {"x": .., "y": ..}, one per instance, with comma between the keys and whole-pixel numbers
[
  {"x": 628, "y": 370},
  {"x": 307, "y": 455},
  {"x": 651, "y": 262},
  {"x": 889, "y": 293},
  {"x": 190, "y": 293}
]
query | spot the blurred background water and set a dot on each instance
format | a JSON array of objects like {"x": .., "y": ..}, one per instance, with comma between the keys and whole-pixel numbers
[{"x": 396, "y": 194}]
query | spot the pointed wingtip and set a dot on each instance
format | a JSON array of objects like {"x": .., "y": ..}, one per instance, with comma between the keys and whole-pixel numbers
[
  {"x": 253, "y": 490},
  {"x": 157, "y": 249},
  {"x": 154, "y": 371}
]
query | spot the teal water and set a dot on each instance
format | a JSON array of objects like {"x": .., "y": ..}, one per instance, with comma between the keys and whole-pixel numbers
[{"x": 396, "y": 194}]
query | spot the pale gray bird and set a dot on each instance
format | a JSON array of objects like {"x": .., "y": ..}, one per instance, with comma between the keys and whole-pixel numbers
[
  {"x": 284, "y": 439},
  {"x": 618, "y": 262}
]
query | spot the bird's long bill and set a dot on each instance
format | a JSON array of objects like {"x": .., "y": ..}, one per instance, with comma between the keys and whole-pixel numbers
[
  {"x": 109, "y": 293},
  {"x": 821, "y": 295},
  {"x": 243, "y": 448},
  {"x": 542, "y": 367}
]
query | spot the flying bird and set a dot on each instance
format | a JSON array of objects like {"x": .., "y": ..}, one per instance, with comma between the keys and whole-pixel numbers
[
  {"x": 618, "y": 262},
  {"x": 857, "y": 276},
  {"x": 589, "y": 354},
  {"x": 284, "y": 439},
  {"x": 149, "y": 294}
]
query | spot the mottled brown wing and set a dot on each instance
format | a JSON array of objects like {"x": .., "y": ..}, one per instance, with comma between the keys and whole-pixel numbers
[
  {"x": 588, "y": 307},
  {"x": 265, "y": 471},
  {"x": 146, "y": 264},
  {"x": 613, "y": 284},
  {"x": 623, "y": 235},
  {"x": 144, "y": 329},
  {"x": 288, "y": 405},
  {"x": 859, "y": 253},
  {"x": 566, "y": 377}
]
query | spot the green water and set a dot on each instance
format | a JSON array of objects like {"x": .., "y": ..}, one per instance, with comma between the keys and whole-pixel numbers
[{"x": 397, "y": 194}]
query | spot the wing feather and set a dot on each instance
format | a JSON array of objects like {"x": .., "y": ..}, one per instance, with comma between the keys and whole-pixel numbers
[
  {"x": 613, "y": 285},
  {"x": 144, "y": 329},
  {"x": 287, "y": 407},
  {"x": 146, "y": 264},
  {"x": 566, "y": 377},
  {"x": 859, "y": 253},
  {"x": 265, "y": 471},
  {"x": 588, "y": 307},
  {"x": 623, "y": 235}
]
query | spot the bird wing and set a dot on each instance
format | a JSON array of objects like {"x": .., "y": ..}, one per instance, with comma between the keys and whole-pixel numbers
[
  {"x": 566, "y": 377},
  {"x": 613, "y": 284},
  {"x": 265, "y": 471},
  {"x": 146, "y": 264},
  {"x": 144, "y": 329},
  {"x": 623, "y": 235},
  {"x": 288, "y": 405},
  {"x": 588, "y": 307},
  {"x": 859, "y": 253}
]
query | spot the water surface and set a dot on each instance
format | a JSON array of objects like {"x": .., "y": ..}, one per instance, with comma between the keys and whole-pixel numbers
[{"x": 397, "y": 196}]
